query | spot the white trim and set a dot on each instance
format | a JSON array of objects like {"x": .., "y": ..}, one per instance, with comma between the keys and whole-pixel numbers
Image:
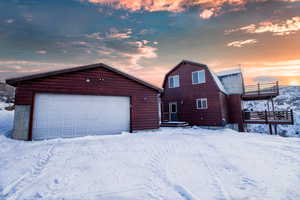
[
  {"x": 170, "y": 109},
  {"x": 201, "y": 100},
  {"x": 198, "y": 73},
  {"x": 174, "y": 86}
]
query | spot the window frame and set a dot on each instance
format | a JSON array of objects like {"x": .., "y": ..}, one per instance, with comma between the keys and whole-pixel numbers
[
  {"x": 201, "y": 100},
  {"x": 198, "y": 72},
  {"x": 169, "y": 81}
]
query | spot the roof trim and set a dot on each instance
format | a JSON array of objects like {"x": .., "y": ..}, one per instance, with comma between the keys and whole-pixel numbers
[
  {"x": 15, "y": 81},
  {"x": 215, "y": 77}
]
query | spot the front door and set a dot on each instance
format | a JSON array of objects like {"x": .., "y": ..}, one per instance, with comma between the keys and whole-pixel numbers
[{"x": 173, "y": 111}]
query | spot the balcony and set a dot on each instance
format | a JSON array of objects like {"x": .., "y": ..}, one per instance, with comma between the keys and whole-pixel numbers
[
  {"x": 260, "y": 91},
  {"x": 268, "y": 117}
]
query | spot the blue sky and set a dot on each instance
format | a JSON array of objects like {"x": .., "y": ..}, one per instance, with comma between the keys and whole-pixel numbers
[{"x": 148, "y": 38}]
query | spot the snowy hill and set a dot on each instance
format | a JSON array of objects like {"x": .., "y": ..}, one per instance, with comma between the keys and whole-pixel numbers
[
  {"x": 6, "y": 118},
  {"x": 289, "y": 98},
  {"x": 169, "y": 164}
]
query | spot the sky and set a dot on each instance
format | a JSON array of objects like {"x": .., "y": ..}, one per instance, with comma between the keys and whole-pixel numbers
[{"x": 147, "y": 38}]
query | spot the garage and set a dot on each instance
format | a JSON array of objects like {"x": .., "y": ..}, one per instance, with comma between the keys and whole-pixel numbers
[
  {"x": 65, "y": 116},
  {"x": 87, "y": 100}
]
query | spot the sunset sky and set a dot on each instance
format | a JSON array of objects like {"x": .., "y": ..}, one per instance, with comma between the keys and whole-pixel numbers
[{"x": 148, "y": 37}]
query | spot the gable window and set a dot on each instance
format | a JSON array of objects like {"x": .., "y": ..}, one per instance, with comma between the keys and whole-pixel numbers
[
  {"x": 174, "y": 81},
  {"x": 198, "y": 77},
  {"x": 201, "y": 103}
]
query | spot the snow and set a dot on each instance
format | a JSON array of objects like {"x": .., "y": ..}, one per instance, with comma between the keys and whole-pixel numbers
[
  {"x": 6, "y": 119},
  {"x": 229, "y": 72},
  {"x": 171, "y": 163}
]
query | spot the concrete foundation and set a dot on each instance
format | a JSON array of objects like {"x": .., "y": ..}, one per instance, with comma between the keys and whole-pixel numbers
[{"x": 21, "y": 122}]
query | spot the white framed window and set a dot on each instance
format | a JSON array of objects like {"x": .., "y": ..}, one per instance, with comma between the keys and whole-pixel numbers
[
  {"x": 201, "y": 103},
  {"x": 198, "y": 77},
  {"x": 174, "y": 81}
]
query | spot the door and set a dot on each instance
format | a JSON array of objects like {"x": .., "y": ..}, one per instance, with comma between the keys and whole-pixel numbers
[
  {"x": 60, "y": 115},
  {"x": 173, "y": 111}
]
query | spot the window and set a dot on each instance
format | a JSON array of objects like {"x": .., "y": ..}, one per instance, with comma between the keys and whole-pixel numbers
[
  {"x": 174, "y": 81},
  {"x": 198, "y": 77},
  {"x": 201, "y": 103}
]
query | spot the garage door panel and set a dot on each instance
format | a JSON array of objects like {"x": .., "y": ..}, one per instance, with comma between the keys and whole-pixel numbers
[{"x": 57, "y": 115}]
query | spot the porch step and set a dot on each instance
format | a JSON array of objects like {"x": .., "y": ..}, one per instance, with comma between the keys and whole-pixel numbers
[{"x": 174, "y": 124}]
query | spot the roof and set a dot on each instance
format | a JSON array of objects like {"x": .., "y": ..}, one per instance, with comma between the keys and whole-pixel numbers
[
  {"x": 15, "y": 81},
  {"x": 215, "y": 77},
  {"x": 229, "y": 72}
]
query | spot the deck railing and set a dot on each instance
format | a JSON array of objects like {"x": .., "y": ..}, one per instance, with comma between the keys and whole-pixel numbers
[
  {"x": 261, "y": 89},
  {"x": 166, "y": 117},
  {"x": 269, "y": 117}
]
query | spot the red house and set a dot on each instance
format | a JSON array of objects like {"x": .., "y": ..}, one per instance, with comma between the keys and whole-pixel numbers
[
  {"x": 194, "y": 94},
  {"x": 87, "y": 100}
]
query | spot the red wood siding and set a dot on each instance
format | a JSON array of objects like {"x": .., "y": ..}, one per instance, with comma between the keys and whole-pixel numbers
[
  {"x": 187, "y": 93},
  {"x": 143, "y": 99},
  {"x": 235, "y": 110}
]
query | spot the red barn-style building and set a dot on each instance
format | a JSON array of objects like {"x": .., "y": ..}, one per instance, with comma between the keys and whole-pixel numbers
[
  {"x": 196, "y": 95},
  {"x": 88, "y": 100}
]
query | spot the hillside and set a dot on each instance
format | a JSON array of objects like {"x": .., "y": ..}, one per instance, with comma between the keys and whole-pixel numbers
[{"x": 288, "y": 99}]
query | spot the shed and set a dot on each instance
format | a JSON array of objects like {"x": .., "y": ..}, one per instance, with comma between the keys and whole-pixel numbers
[{"x": 87, "y": 100}]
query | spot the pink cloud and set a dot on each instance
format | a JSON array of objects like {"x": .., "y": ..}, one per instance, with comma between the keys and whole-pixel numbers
[{"x": 115, "y": 34}]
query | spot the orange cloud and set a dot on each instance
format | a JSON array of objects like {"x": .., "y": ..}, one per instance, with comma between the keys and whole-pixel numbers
[
  {"x": 167, "y": 5},
  {"x": 241, "y": 43},
  {"x": 210, "y": 7},
  {"x": 287, "y": 27}
]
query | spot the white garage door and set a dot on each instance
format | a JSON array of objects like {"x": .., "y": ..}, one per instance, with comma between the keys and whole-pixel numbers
[{"x": 57, "y": 115}]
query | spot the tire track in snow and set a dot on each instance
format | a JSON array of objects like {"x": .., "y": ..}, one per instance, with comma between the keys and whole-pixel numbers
[
  {"x": 243, "y": 183},
  {"x": 15, "y": 189},
  {"x": 158, "y": 165},
  {"x": 211, "y": 171}
]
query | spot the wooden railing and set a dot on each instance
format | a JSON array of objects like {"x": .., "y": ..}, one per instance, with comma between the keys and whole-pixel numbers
[
  {"x": 269, "y": 117},
  {"x": 261, "y": 89},
  {"x": 165, "y": 117}
]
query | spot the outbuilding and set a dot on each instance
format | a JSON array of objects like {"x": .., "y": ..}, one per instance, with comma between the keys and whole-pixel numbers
[{"x": 87, "y": 100}]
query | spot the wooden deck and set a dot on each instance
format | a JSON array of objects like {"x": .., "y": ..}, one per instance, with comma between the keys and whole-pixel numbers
[
  {"x": 269, "y": 117},
  {"x": 260, "y": 91}
]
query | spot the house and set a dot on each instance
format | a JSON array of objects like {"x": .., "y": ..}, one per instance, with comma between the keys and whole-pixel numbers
[
  {"x": 195, "y": 95},
  {"x": 86, "y": 100}
]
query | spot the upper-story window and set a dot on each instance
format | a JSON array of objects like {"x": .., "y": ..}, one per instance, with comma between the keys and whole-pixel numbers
[
  {"x": 198, "y": 77},
  {"x": 174, "y": 81}
]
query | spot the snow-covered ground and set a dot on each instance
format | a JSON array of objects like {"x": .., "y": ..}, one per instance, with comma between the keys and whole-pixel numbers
[
  {"x": 288, "y": 99},
  {"x": 6, "y": 119},
  {"x": 169, "y": 164}
]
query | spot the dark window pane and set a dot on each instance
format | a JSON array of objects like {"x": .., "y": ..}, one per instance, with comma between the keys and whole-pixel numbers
[{"x": 195, "y": 77}]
